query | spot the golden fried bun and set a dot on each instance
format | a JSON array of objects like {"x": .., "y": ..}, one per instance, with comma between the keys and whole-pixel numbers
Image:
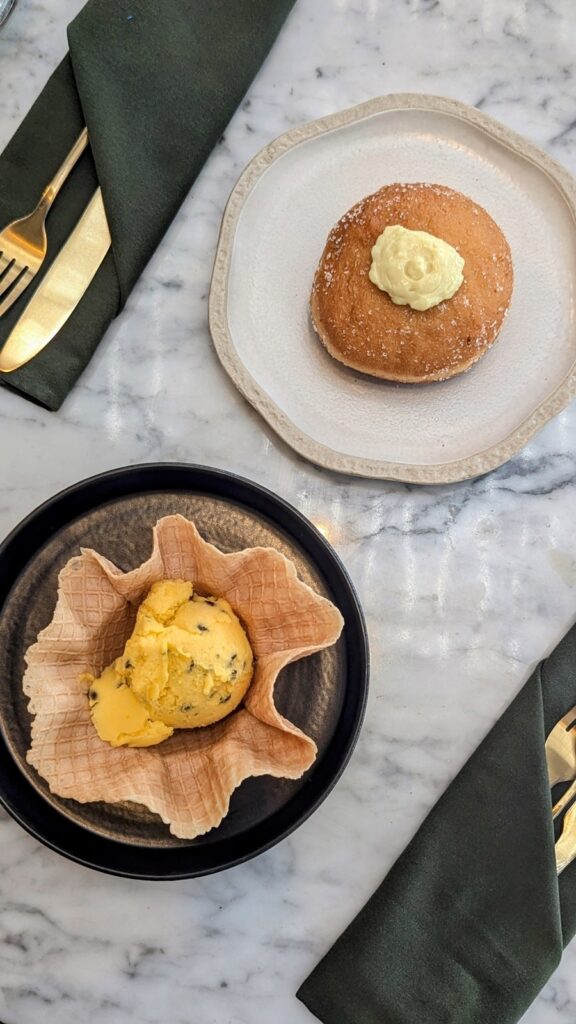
[{"x": 362, "y": 327}]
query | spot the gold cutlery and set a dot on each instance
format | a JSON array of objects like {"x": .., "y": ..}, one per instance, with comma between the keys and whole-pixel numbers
[
  {"x": 23, "y": 243},
  {"x": 561, "y": 761},
  {"x": 561, "y": 758},
  {"x": 566, "y": 845},
  {"x": 62, "y": 288}
]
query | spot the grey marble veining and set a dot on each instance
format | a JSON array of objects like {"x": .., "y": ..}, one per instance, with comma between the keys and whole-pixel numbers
[{"x": 464, "y": 586}]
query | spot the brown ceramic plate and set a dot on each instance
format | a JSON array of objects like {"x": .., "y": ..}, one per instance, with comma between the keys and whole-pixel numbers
[{"x": 114, "y": 513}]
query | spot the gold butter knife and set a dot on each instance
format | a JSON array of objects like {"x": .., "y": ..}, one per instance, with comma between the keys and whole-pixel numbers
[{"x": 61, "y": 289}]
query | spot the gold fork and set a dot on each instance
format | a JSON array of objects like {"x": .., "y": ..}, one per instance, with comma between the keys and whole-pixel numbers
[
  {"x": 561, "y": 758},
  {"x": 561, "y": 761},
  {"x": 23, "y": 243}
]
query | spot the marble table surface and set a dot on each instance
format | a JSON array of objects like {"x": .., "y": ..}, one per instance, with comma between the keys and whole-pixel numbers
[{"x": 465, "y": 587}]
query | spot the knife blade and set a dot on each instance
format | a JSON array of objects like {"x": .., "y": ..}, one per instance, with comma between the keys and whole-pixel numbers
[{"x": 61, "y": 289}]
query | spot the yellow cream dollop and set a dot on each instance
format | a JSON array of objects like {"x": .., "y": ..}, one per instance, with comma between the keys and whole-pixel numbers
[
  {"x": 187, "y": 664},
  {"x": 415, "y": 268}
]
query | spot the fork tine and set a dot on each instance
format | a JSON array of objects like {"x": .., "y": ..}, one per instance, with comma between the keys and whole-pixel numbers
[
  {"x": 568, "y": 720},
  {"x": 11, "y": 275},
  {"x": 16, "y": 292}
]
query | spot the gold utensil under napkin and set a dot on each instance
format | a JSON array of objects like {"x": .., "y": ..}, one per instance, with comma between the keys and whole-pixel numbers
[
  {"x": 566, "y": 845},
  {"x": 561, "y": 758},
  {"x": 62, "y": 288},
  {"x": 561, "y": 762},
  {"x": 23, "y": 243}
]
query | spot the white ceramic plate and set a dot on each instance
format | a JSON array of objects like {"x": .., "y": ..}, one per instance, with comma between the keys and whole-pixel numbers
[{"x": 273, "y": 233}]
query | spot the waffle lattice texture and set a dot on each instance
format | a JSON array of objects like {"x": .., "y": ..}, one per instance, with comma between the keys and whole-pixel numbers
[{"x": 188, "y": 780}]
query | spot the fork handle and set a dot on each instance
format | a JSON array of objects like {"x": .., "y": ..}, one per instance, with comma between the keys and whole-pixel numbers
[
  {"x": 51, "y": 191},
  {"x": 564, "y": 800}
]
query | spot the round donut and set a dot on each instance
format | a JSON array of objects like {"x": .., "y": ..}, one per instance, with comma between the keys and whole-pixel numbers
[{"x": 362, "y": 327}]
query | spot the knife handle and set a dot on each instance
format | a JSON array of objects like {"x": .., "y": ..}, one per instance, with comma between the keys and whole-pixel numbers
[
  {"x": 51, "y": 191},
  {"x": 564, "y": 800}
]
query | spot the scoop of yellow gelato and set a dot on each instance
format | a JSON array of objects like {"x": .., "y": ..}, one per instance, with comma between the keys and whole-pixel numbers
[{"x": 187, "y": 664}]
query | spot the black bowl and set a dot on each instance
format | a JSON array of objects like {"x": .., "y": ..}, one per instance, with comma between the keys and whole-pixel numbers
[{"x": 324, "y": 694}]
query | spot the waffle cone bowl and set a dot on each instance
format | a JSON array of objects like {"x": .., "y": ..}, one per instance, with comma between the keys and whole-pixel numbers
[
  {"x": 187, "y": 780},
  {"x": 73, "y": 575}
]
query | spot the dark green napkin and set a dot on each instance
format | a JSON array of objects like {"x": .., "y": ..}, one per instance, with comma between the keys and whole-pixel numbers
[
  {"x": 156, "y": 82},
  {"x": 472, "y": 919}
]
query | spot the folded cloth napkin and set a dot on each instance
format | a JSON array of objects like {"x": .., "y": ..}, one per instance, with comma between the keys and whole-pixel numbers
[
  {"x": 156, "y": 82},
  {"x": 472, "y": 919}
]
